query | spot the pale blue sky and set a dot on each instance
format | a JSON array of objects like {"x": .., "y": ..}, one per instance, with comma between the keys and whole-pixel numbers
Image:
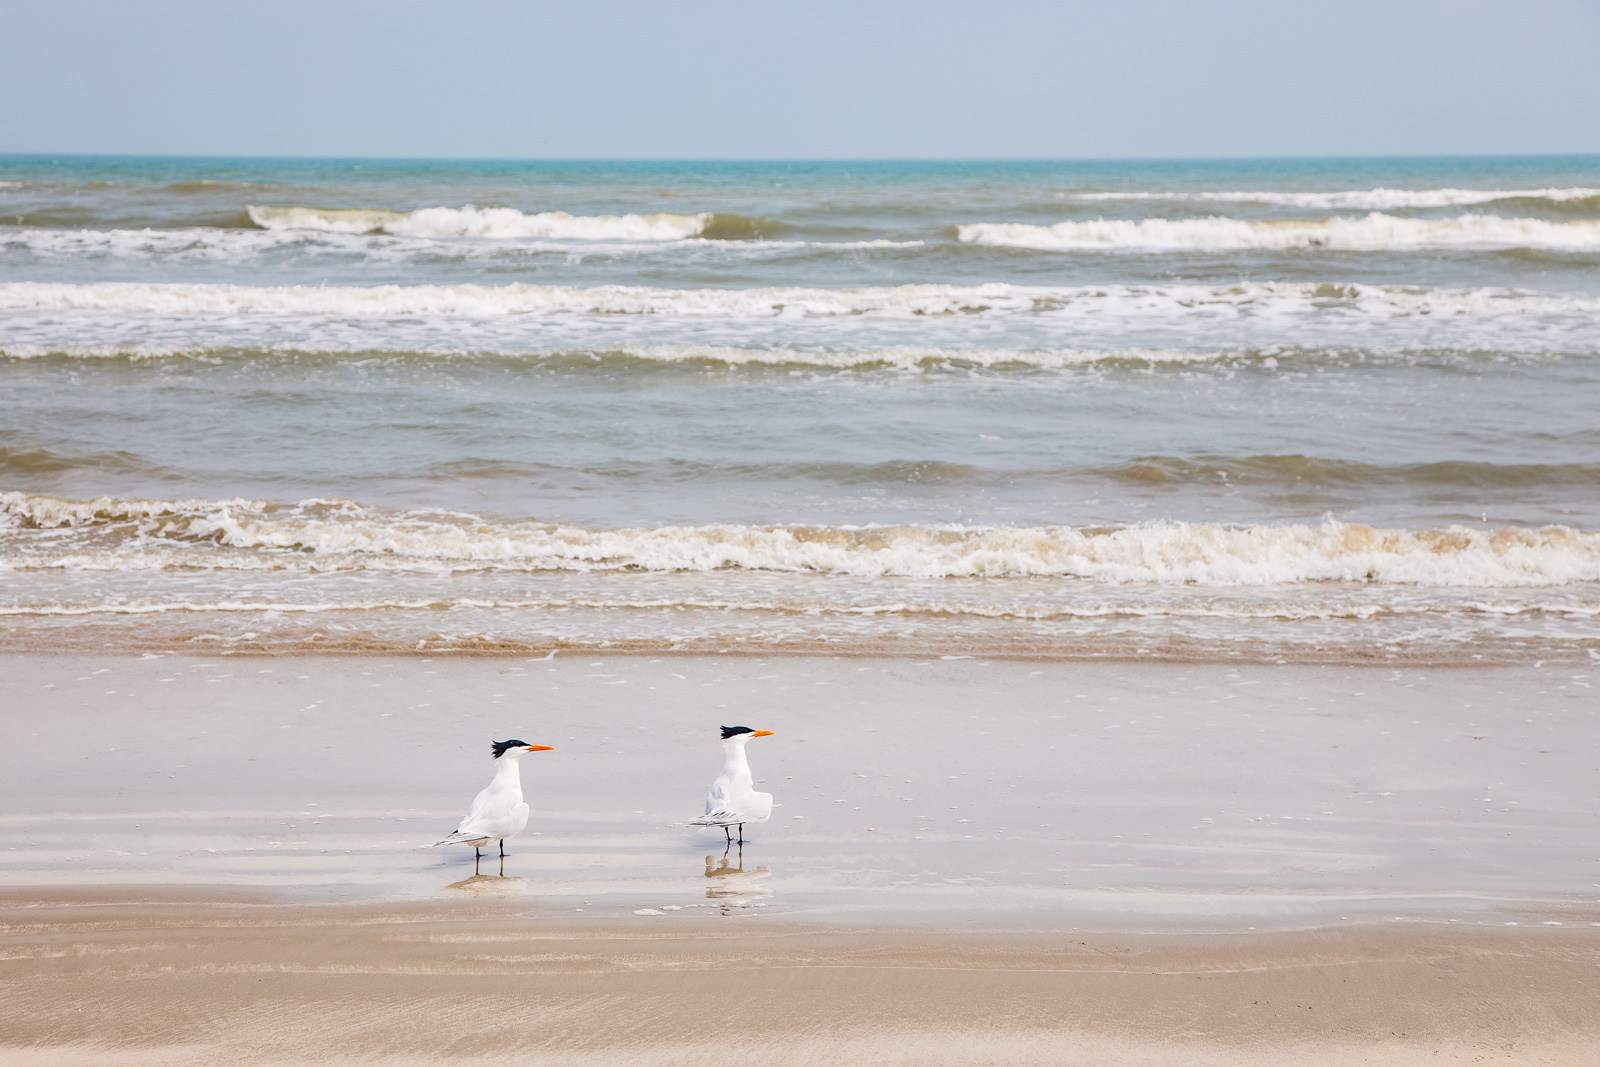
[{"x": 929, "y": 79}]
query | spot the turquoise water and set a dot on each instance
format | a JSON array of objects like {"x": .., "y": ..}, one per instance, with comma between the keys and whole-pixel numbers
[
  {"x": 1315, "y": 406},
  {"x": 790, "y": 223}
]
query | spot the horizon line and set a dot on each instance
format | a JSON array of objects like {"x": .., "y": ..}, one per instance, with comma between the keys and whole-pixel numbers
[{"x": 290, "y": 157}]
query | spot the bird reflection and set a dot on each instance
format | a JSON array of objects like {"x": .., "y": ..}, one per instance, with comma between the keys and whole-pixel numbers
[
  {"x": 732, "y": 885},
  {"x": 491, "y": 884}
]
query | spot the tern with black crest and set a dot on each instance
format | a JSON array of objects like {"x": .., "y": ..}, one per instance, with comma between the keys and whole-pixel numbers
[
  {"x": 733, "y": 800},
  {"x": 498, "y": 812}
]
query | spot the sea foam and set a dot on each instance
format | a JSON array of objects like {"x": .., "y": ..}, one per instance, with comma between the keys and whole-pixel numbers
[
  {"x": 239, "y": 246},
  {"x": 1374, "y": 232},
  {"x": 1379, "y": 199},
  {"x": 469, "y": 221},
  {"x": 515, "y": 299},
  {"x": 341, "y": 536},
  {"x": 905, "y": 301}
]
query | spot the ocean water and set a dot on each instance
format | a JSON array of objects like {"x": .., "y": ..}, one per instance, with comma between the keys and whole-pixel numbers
[{"x": 1270, "y": 409}]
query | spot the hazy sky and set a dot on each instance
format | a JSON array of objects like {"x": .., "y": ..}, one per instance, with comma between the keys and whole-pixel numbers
[{"x": 867, "y": 78}]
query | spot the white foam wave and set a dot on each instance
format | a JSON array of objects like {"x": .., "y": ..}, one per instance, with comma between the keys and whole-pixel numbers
[
  {"x": 906, "y": 302},
  {"x": 1088, "y": 610},
  {"x": 1372, "y": 233},
  {"x": 905, "y": 357},
  {"x": 490, "y": 301},
  {"x": 211, "y": 245},
  {"x": 909, "y": 357},
  {"x": 469, "y": 221},
  {"x": 1379, "y": 199},
  {"x": 101, "y": 351},
  {"x": 897, "y": 357},
  {"x": 203, "y": 244},
  {"x": 341, "y": 536}
]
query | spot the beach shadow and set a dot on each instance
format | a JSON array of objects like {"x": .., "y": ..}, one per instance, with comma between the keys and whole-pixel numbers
[
  {"x": 491, "y": 885},
  {"x": 731, "y": 885}
]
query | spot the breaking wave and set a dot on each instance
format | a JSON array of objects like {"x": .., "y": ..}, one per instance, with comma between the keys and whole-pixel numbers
[
  {"x": 908, "y": 358},
  {"x": 469, "y": 221},
  {"x": 483, "y": 301},
  {"x": 735, "y": 238},
  {"x": 1374, "y": 232},
  {"x": 902, "y": 357},
  {"x": 333, "y": 535},
  {"x": 1379, "y": 199},
  {"x": 515, "y": 299},
  {"x": 1091, "y": 610}
]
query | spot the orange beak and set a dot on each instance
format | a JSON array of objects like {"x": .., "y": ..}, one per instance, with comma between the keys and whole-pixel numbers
[
  {"x": 760, "y": 733},
  {"x": 540, "y": 748}
]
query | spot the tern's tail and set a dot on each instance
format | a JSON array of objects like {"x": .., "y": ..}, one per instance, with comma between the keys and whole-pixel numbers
[
  {"x": 455, "y": 838},
  {"x": 716, "y": 818}
]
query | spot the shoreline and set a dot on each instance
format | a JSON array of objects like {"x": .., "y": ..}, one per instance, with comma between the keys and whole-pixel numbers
[
  {"x": 333, "y": 575},
  {"x": 1091, "y": 648},
  {"x": 938, "y": 794}
]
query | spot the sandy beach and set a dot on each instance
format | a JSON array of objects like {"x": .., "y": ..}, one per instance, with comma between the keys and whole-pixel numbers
[
  {"x": 141, "y": 978},
  {"x": 211, "y": 860}
]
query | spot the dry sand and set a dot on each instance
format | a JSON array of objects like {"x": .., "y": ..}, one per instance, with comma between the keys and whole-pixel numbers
[{"x": 108, "y": 977}]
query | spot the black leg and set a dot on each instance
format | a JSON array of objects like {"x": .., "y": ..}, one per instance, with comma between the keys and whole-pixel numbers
[
  {"x": 502, "y": 848},
  {"x": 728, "y": 834},
  {"x": 741, "y": 833},
  {"x": 477, "y": 858}
]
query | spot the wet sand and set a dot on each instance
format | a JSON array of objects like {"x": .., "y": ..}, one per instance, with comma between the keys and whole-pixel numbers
[
  {"x": 136, "y": 978},
  {"x": 208, "y": 861},
  {"x": 964, "y": 794}
]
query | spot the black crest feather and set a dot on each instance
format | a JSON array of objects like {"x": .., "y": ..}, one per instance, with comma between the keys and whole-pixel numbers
[
  {"x": 732, "y": 731},
  {"x": 501, "y": 746}
]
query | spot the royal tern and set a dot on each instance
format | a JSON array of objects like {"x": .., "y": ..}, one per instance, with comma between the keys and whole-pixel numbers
[
  {"x": 498, "y": 812},
  {"x": 733, "y": 800}
]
